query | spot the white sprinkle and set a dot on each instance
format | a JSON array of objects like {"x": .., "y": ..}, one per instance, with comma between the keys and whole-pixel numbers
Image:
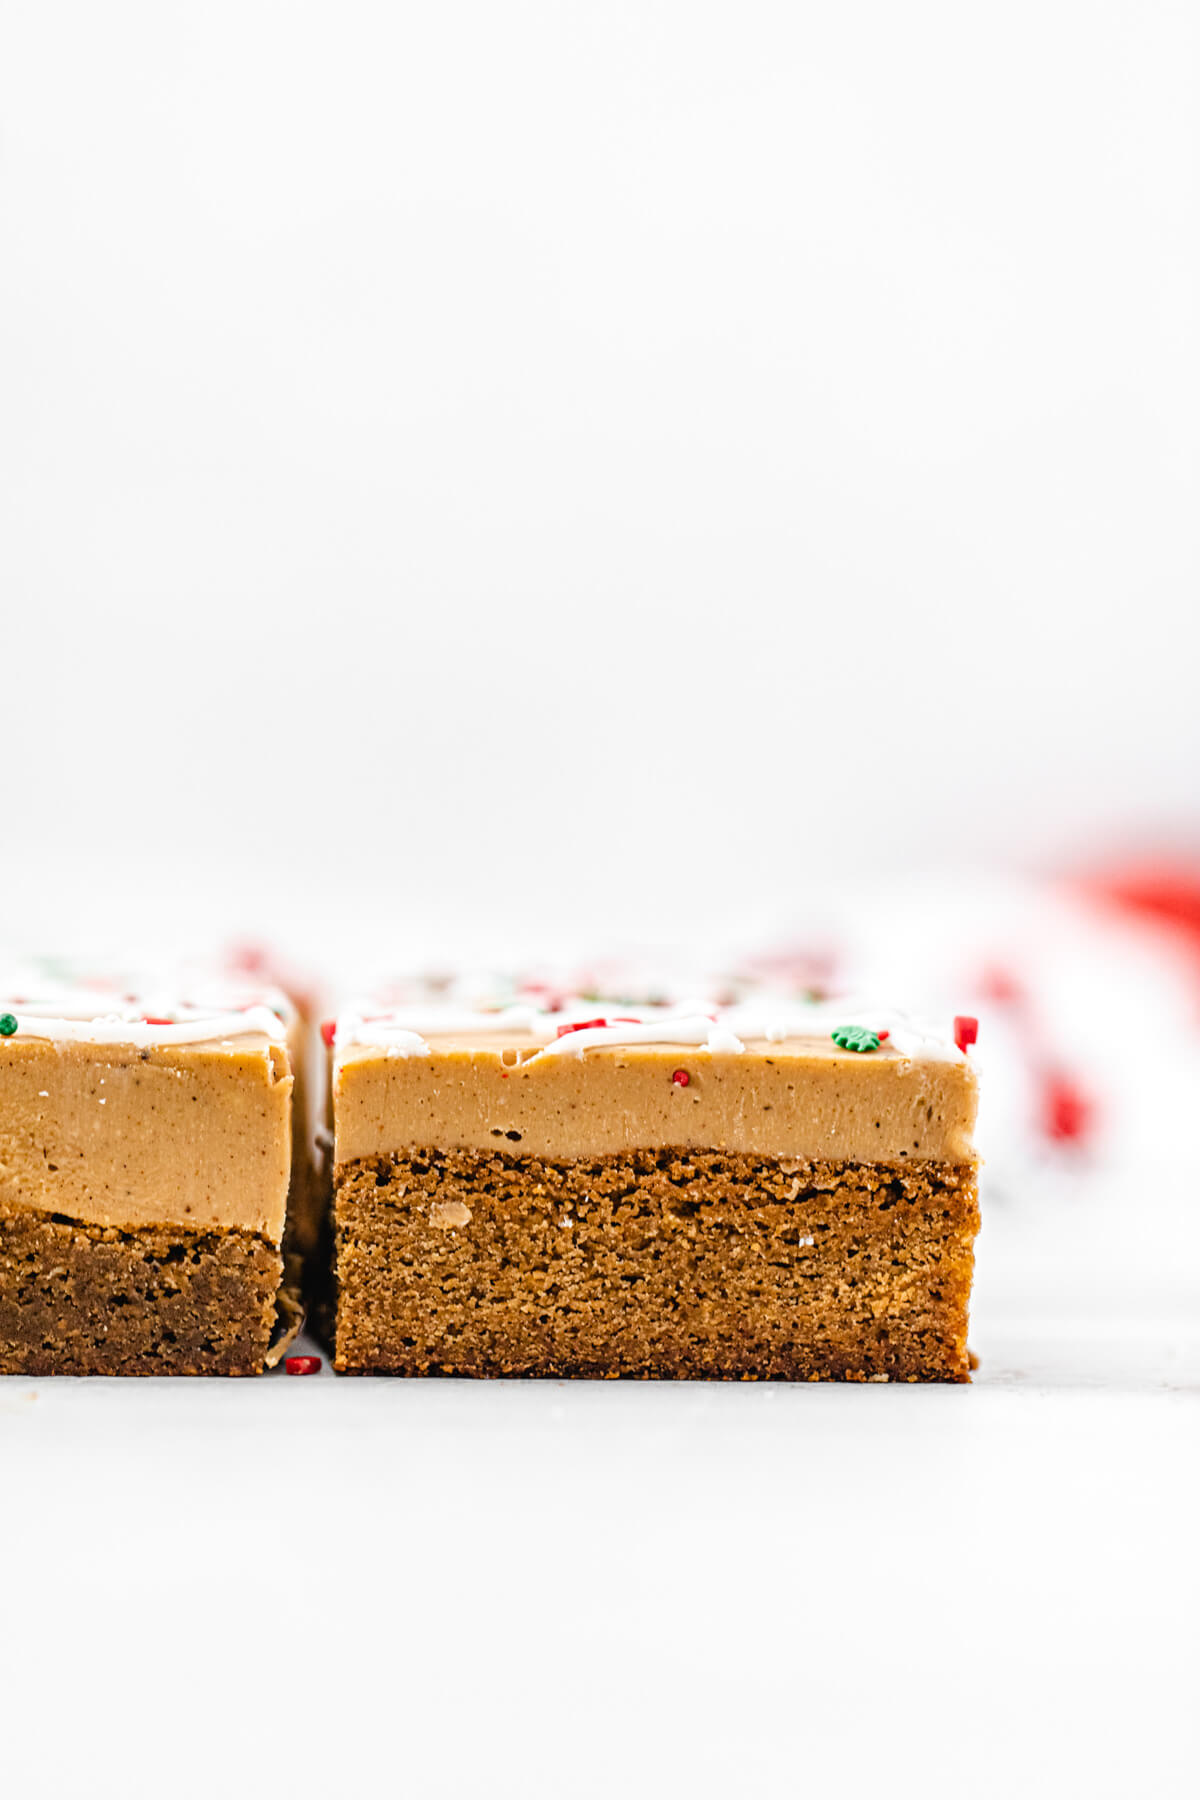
[
  {"x": 103, "y": 1102},
  {"x": 43, "y": 1093},
  {"x": 807, "y": 1243}
]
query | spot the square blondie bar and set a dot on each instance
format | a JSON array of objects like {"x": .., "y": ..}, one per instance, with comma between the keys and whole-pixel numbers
[
  {"x": 145, "y": 1151},
  {"x": 540, "y": 1183}
]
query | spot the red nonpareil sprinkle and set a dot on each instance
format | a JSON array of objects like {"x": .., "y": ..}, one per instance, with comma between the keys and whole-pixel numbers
[
  {"x": 583, "y": 1025},
  {"x": 149, "y": 1019},
  {"x": 302, "y": 1365},
  {"x": 328, "y": 1031},
  {"x": 251, "y": 959},
  {"x": 1067, "y": 1112},
  {"x": 681, "y": 1078},
  {"x": 883, "y": 1035},
  {"x": 966, "y": 1031},
  {"x": 1001, "y": 986}
]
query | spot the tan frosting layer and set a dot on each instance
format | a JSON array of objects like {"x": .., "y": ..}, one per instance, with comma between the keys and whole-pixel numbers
[
  {"x": 801, "y": 1097},
  {"x": 196, "y": 1136}
]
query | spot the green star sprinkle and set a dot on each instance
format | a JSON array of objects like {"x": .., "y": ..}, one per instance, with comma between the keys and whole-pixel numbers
[
  {"x": 854, "y": 1037},
  {"x": 8, "y": 1024}
]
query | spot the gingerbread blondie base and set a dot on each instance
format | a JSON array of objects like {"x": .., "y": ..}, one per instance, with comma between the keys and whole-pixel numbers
[
  {"x": 654, "y": 1263},
  {"x": 93, "y": 1300}
]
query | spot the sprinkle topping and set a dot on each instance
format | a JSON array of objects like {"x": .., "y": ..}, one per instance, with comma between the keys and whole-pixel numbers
[
  {"x": 582, "y": 1024},
  {"x": 328, "y": 1030},
  {"x": 302, "y": 1365},
  {"x": 681, "y": 1078},
  {"x": 559, "y": 1017},
  {"x": 199, "y": 1002},
  {"x": 966, "y": 1031},
  {"x": 1068, "y": 1113},
  {"x": 854, "y": 1037}
]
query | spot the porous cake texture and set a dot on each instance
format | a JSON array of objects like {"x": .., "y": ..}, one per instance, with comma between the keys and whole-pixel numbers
[
  {"x": 768, "y": 1189},
  {"x": 81, "y": 1299}
]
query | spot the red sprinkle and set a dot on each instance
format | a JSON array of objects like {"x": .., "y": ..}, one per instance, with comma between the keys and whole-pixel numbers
[
  {"x": 681, "y": 1078},
  {"x": 583, "y": 1025},
  {"x": 1001, "y": 986},
  {"x": 883, "y": 1035},
  {"x": 252, "y": 959},
  {"x": 147, "y": 1019},
  {"x": 966, "y": 1031},
  {"x": 1067, "y": 1111},
  {"x": 328, "y": 1028},
  {"x": 301, "y": 1365}
]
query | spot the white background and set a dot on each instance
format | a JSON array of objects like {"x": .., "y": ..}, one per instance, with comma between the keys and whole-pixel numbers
[
  {"x": 479, "y": 473},
  {"x": 499, "y": 444}
]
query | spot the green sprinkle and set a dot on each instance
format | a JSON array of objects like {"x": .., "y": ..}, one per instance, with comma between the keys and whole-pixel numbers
[
  {"x": 8, "y": 1024},
  {"x": 854, "y": 1037}
]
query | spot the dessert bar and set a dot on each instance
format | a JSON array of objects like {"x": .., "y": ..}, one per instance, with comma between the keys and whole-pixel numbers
[
  {"x": 529, "y": 1181},
  {"x": 145, "y": 1148}
]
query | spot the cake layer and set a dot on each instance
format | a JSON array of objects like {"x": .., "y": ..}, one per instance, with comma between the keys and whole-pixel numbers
[
  {"x": 93, "y": 1300},
  {"x": 193, "y": 1136},
  {"x": 656, "y": 1263},
  {"x": 798, "y": 1097}
]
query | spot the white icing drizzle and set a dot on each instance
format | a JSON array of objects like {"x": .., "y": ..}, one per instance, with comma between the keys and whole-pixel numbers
[
  {"x": 763, "y": 1015},
  {"x": 431, "y": 1020},
  {"x": 697, "y": 1030},
  {"x": 112, "y": 1028},
  {"x": 381, "y": 1034},
  {"x": 58, "y": 1003},
  {"x": 908, "y": 1036}
]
